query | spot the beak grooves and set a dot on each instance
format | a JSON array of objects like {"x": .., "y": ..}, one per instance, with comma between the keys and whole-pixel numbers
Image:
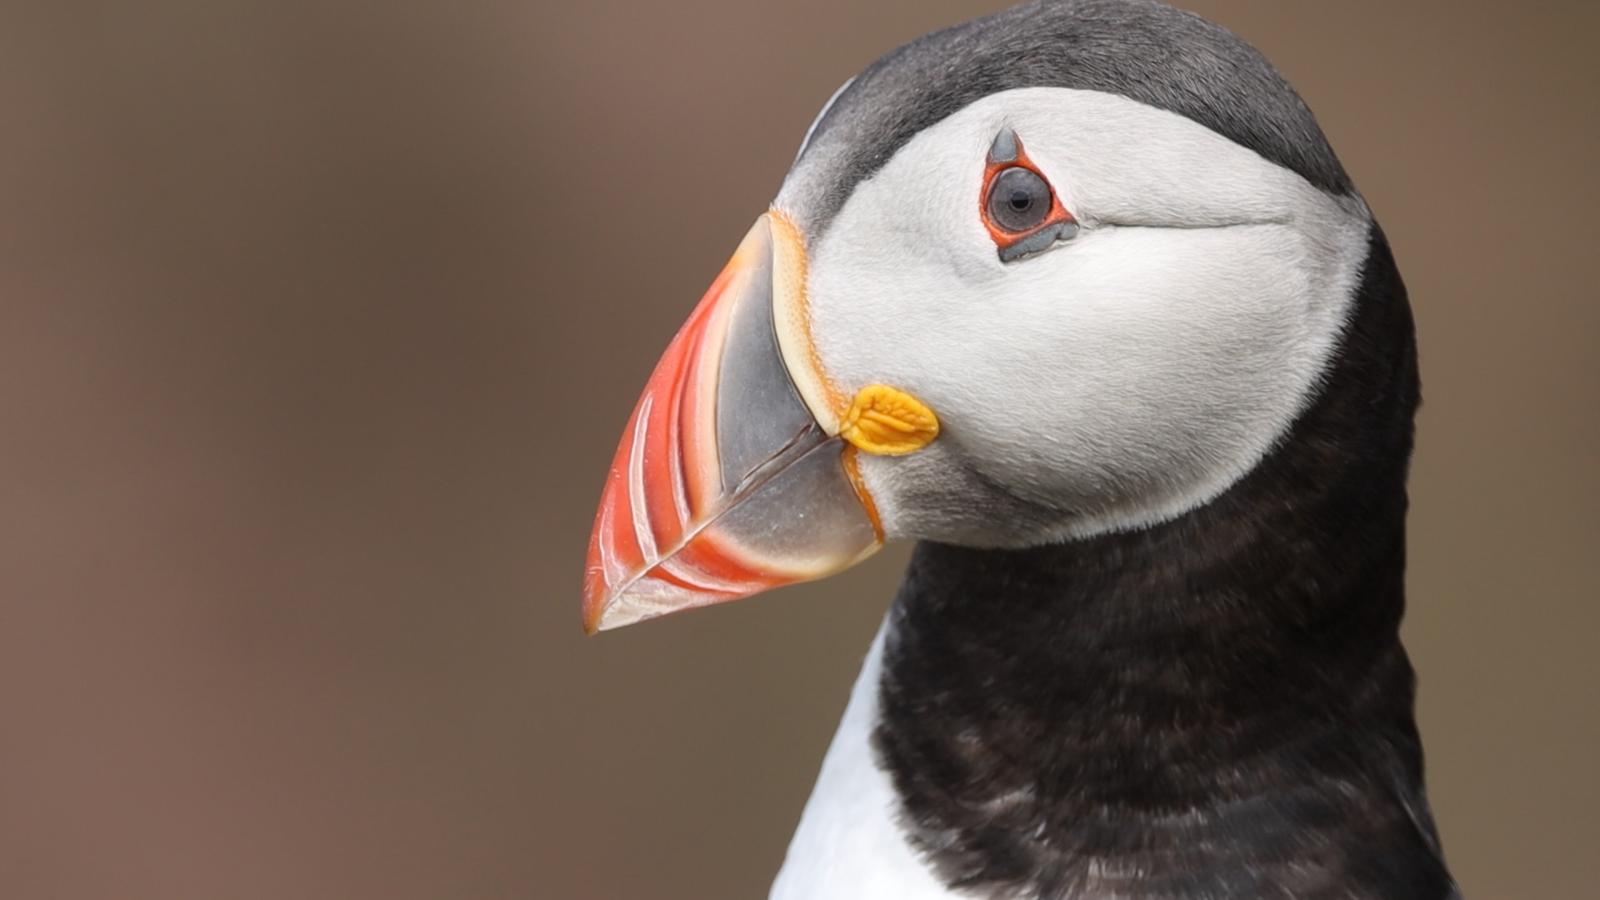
[
  {"x": 672, "y": 480},
  {"x": 731, "y": 478}
]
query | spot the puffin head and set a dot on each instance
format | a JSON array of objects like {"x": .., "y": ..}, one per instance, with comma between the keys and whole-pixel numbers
[{"x": 1070, "y": 269}]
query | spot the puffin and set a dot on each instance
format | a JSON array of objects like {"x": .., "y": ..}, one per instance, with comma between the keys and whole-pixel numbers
[{"x": 1077, "y": 298}]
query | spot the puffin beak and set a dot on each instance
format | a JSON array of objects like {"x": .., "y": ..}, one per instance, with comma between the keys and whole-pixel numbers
[{"x": 731, "y": 477}]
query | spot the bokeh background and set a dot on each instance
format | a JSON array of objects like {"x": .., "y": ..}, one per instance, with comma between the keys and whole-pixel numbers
[{"x": 319, "y": 322}]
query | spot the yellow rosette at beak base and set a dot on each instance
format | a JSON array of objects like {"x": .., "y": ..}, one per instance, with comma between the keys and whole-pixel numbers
[{"x": 886, "y": 421}]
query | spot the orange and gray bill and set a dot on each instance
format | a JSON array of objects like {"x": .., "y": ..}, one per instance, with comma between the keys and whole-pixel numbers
[{"x": 724, "y": 484}]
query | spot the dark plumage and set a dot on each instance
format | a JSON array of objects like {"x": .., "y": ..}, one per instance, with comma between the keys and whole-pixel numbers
[
  {"x": 1217, "y": 706},
  {"x": 1141, "y": 49}
]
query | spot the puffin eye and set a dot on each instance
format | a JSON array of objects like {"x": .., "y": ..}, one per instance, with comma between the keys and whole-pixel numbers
[
  {"x": 1019, "y": 200},
  {"x": 1019, "y": 207}
]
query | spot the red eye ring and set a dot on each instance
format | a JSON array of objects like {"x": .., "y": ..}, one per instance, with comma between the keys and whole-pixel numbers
[{"x": 1007, "y": 153}]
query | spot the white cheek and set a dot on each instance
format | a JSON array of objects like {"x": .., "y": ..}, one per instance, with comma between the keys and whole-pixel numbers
[
  {"x": 1137, "y": 361},
  {"x": 1171, "y": 352},
  {"x": 1125, "y": 376}
]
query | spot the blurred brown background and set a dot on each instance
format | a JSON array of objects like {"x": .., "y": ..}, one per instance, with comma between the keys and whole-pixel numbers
[{"x": 317, "y": 333}]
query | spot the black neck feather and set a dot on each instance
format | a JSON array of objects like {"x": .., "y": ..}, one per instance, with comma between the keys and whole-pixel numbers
[{"x": 1215, "y": 707}]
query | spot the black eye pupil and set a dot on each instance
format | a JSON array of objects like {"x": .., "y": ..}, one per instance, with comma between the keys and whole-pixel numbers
[{"x": 1019, "y": 200}]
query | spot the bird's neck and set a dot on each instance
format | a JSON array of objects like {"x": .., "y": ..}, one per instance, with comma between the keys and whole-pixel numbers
[{"x": 1217, "y": 706}]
